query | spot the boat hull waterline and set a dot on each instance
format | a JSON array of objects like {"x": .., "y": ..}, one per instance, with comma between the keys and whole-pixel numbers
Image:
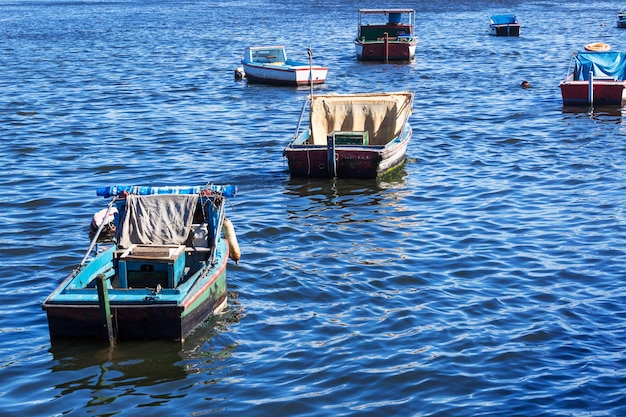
[{"x": 351, "y": 161}]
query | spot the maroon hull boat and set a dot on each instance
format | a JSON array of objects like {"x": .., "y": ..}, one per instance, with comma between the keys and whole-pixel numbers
[{"x": 352, "y": 135}]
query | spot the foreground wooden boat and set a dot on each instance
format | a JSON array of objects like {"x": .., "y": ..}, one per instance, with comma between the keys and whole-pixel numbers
[
  {"x": 504, "y": 25},
  {"x": 621, "y": 18},
  {"x": 269, "y": 65},
  {"x": 386, "y": 35},
  {"x": 160, "y": 275},
  {"x": 596, "y": 76},
  {"x": 351, "y": 135}
]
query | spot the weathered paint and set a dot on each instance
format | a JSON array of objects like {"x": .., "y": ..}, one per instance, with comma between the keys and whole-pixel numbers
[
  {"x": 351, "y": 161},
  {"x": 604, "y": 92},
  {"x": 136, "y": 313},
  {"x": 389, "y": 51}
]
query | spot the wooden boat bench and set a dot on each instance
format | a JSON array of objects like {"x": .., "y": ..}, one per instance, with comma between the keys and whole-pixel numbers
[
  {"x": 149, "y": 265},
  {"x": 142, "y": 266}
]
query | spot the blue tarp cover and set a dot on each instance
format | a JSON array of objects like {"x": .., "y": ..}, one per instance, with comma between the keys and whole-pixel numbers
[
  {"x": 603, "y": 64},
  {"x": 503, "y": 19},
  {"x": 110, "y": 191}
]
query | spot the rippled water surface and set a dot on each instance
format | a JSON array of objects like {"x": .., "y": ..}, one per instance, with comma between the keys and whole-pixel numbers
[{"x": 485, "y": 278}]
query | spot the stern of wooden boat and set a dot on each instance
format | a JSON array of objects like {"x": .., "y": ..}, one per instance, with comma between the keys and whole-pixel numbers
[
  {"x": 391, "y": 39},
  {"x": 352, "y": 136}
]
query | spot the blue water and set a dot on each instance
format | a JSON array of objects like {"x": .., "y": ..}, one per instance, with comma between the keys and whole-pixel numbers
[{"x": 486, "y": 278}]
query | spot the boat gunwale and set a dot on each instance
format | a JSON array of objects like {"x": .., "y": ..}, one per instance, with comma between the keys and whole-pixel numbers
[
  {"x": 284, "y": 67},
  {"x": 375, "y": 148},
  {"x": 385, "y": 11},
  {"x": 137, "y": 296}
]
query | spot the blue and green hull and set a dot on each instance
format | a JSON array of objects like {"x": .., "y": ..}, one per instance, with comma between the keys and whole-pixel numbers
[{"x": 74, "y": 308}]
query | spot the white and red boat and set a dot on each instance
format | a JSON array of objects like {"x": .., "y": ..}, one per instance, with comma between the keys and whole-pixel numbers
[
  {"x": 269, "y": 65},
  {"x": 596, "y": 76}
]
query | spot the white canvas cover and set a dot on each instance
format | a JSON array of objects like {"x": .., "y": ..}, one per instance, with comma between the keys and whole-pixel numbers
[
  {"x": 157, "y": 219},
  {"x": 382, "y": 115}
]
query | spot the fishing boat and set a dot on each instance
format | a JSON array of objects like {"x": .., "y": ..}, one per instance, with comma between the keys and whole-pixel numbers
[
  {"x": 504, "y": 25},
  {"x": 386, "y": 35},
  {"x": 269, "y": 65},
  {"x": 596, "y": 76},
  {"x": 160, "y": 272},
  {"x": 621, "y": 18},
  {"x": 351, "y": 135}
]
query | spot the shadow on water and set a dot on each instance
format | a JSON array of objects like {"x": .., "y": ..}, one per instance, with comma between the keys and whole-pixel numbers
[
  {"x": 596, "y": 112},
  {"x": 207, "y": 341},
  {"x": 96, "y": 363},
  {"x": 334, "y": 187},
  {"x": 143, "y": 363}
]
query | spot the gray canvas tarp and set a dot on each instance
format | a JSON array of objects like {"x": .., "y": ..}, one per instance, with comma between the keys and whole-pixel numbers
[{"x": 157, "y": 220}]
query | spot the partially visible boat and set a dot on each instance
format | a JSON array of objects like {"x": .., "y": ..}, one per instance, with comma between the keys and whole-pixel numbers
[
  {"x": 621, "y": 18},
  {"x": 351, "y": 135},
  {"x": 386, "y": 35},
  {"x": 157, "y": 272},
  {"x": 596, "y": 76},
  {"x": 270, "y": 65},
  {"x": 504, "y": 25}
]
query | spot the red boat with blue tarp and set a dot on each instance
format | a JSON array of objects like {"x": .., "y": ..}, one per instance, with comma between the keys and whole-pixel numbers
[{"x": 596, "y": 76}]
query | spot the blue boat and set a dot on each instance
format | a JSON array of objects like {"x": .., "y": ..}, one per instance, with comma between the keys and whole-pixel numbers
[
  {"x": 155, "y": 267},
  {"x": 504, "y": 25}
]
